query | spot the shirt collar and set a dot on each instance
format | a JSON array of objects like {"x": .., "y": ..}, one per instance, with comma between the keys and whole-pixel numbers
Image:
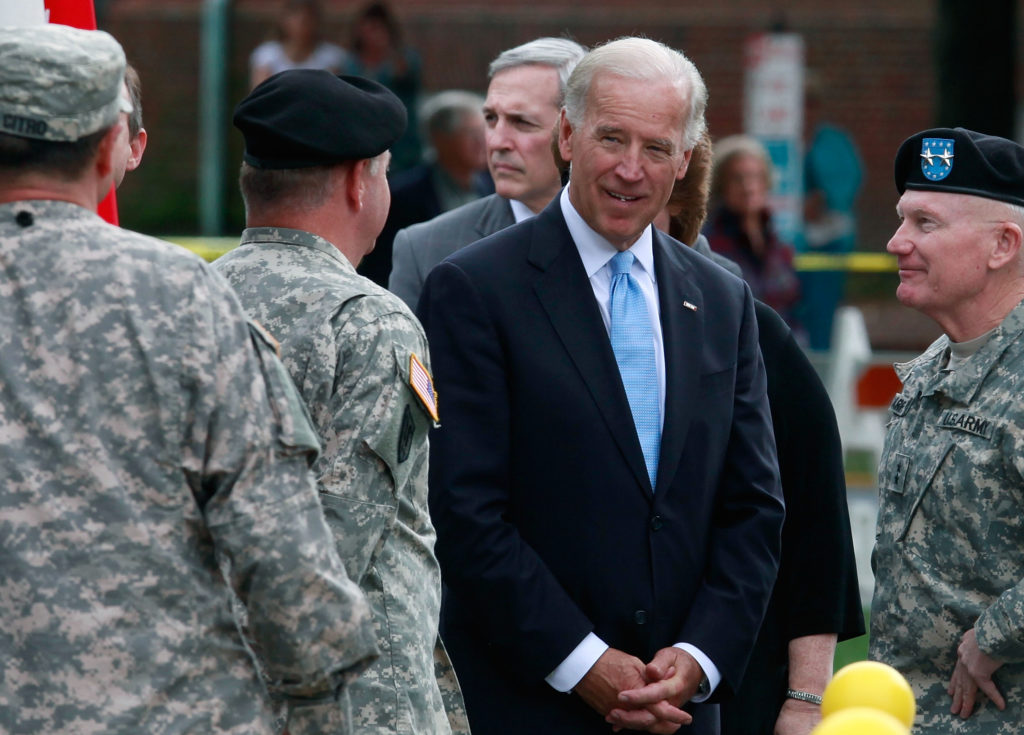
[
  {"x": 520, "y": 211},
  {"x": 596, "y": 251}
]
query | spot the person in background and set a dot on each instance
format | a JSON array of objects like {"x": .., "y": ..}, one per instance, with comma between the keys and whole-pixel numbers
[
  {"x": 948, "y": 608},
  {"x": 316, "y": 196},
  {"x": 454, "y": 174},
  {"x": 608, "y": 545},
  {"x": 379, "y": 52},
  {"x": 816, "y": 599},
  {"x": 524, "y": 97},
  {"x": 740, "y": 226},
  {"x": 298, "y": 45},
  {"x": 132, "y": 143},
  {"x": 154, "y": 461}
]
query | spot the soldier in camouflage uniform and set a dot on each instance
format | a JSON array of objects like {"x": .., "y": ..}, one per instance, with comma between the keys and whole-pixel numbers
[
  {"x": 316, "y": 196},
  {"x": 154, "y": 455},
  {"x": 948, "y": 609}
]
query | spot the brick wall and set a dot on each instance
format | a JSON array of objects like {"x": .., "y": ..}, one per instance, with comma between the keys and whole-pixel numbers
[{"x": 873, "y": 58}]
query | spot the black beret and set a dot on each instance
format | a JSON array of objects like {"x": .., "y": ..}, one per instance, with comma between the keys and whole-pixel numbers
[
  {"x": 961, "y": 161},
  {"x": 310, "y": 117}
]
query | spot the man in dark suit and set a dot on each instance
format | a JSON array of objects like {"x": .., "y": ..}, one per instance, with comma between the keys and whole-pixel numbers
[
  {"x": 523, "y": 99},
  {"x": 604, "y": 483}
]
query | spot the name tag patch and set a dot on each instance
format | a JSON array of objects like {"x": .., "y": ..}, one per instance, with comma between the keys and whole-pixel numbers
[
  {"x": 900, "y": 404},
  {"x": 966, "y": 422}
]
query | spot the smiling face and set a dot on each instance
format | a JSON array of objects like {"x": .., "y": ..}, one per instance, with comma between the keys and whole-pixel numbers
[
  {"x": 521, "y": 111},
  {"x": 626, "y": 156},
  {"x": 943, "y": 247}
]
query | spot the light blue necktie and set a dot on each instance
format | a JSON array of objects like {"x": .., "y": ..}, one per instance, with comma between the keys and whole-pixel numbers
[{"x": 633, "y": 345}]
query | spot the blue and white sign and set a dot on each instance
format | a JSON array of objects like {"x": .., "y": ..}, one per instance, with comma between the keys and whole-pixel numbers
[{"x": 936, "y": 158}]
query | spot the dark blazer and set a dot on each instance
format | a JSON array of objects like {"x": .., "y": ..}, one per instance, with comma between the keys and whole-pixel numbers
[
  {"x": 417, "y": 249},
  {"x": 547, "y": 525}
]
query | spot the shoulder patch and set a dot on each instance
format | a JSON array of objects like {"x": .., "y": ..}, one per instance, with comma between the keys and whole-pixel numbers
[
  {"x": 423, "y": 385},
  {"x": 900, "y": 404}
]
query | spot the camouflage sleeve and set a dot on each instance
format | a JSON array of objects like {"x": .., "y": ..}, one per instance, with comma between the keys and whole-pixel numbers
[
  {"x": 1000, "y": 629},
  {"x": 247, "y": 456},
  {"x": 451, "y": 692},
  {"x": 362, "y": 470}
]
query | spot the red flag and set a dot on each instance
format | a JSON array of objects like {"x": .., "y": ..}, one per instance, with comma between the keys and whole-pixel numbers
[
  {"x": 75, "y": 13},
  {"x": 82, "y": 14}
]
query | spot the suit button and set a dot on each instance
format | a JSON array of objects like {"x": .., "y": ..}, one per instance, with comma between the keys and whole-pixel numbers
[
  {"x": 656, "y": 523},
  {"x": 640, "y": 617}
]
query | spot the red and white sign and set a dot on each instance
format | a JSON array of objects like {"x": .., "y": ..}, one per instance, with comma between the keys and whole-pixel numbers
[{"x": 773, "y": 112}]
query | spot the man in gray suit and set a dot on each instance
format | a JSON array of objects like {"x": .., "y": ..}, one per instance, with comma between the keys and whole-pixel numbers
[{"x": 524, "y": 98}]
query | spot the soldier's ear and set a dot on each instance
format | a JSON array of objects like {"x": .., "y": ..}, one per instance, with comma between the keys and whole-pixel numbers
[
  {"x": 1006, "y": 245},
  {"x": 138, "y": 147},
  {"x": 354, "y": 183}
]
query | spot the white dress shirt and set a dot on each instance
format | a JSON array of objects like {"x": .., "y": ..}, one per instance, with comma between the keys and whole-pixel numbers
[
  {"x": 520, "y": 211},
  {"x": 596, "y": 253}
]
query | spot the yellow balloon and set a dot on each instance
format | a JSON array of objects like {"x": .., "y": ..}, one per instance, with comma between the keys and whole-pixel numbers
[
  {"x": 860, "y": 721},
  {"x": 870, "y": 684}
]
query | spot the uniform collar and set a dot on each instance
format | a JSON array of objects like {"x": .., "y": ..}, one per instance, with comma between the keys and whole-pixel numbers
[
  {"x": 44, "y": 208},
  {"x": 286, "y": 236},
  {"x": 961, "y": 384}
]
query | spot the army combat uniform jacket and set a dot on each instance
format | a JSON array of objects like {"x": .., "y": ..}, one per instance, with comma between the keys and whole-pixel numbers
[
  {"x": 949, "y": 551},
  {"x": 152, "y": 453},
  {"x": 353, "y": 349}
]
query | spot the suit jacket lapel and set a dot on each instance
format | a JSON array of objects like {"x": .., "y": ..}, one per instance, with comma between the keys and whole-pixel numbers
[
  {"x": 495, "y": 216},
  {"x": 567, "y": 297},
  {"x": 683, "y": 335}
]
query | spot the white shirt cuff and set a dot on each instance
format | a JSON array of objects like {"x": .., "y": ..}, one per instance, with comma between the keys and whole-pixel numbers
[
  {"x": 710, "y": 670},
  {"x": 576, "y": 665}
]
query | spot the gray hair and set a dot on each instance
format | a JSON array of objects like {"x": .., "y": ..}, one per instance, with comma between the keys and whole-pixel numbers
[
  {"x": 643, "y": 60},
  {"x": 377, "y": 161},
  {"x": 445, "y": 111},
  {"x": 560, "y": 54},
  {"x": 1015, "y": 213}
]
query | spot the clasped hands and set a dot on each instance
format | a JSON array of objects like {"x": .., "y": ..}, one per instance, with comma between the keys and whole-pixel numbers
[
  {"x": 973, "y": 671},
  {"x": 633, "y": 696}
]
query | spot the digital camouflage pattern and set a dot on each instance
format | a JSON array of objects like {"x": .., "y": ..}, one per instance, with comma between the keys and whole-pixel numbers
[
  {"x": 152, "y": 453},
  {"x": 949, "y": 551},
  {"x": 59, "y": 83},
  {"x": 347, "y": 344}
]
